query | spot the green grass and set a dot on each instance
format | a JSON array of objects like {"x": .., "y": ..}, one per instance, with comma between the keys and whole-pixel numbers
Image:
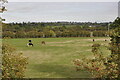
[{"x": 54, "y": 60}]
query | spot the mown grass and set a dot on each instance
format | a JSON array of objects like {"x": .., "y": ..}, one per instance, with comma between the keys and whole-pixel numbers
[{"x": 54, "y": 60}]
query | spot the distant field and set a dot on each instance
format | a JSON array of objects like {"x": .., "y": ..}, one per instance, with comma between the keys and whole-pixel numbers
[{"x": 54, "y": 60}]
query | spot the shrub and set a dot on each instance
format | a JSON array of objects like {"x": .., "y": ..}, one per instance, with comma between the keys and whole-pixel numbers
[
  {"x": 99, "y": 66},
  {"x": 7, "y": 48},
  {"x": 13, "y": 64}
]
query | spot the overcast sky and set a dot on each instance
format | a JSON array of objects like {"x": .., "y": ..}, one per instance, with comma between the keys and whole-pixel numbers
[
  {"x": 60, "y": 11},
  {"x": 63, "y": 0}
]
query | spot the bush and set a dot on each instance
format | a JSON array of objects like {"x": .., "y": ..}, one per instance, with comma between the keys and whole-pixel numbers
[
  {"x": 7, "y": 48},
  {"x": 99, "y": 66},
  {"x": 13, "y": 64}
]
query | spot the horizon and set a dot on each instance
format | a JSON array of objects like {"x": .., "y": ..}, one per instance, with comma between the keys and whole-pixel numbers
[{"x": 57, "y": 22}]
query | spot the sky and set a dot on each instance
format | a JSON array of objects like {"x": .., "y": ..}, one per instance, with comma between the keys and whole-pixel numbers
[
  {"x": 119, "y": 9},
  {"x": 60, "y": 11},
  {"x": 63, "y": 0}
]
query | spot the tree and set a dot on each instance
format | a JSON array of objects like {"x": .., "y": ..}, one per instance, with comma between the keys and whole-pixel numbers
[
  {"x": 115, "y": 43},
  {"x": 8, "y": 34},
  {"x": 100, "y": 66},
  {"x": 116, "y": 23},
  {"x": 52, "y": 33},
  {"x": 2, "y": 8},
  {"x": 53, "y": 29}
]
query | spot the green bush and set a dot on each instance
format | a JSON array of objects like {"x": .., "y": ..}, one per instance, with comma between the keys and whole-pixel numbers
[
  {"x": 99, "y": 66},
  {"x": 7, "y": 48},
  {"x": 13, "y": 64}
]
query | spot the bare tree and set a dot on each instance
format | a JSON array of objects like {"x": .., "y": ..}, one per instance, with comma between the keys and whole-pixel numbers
[{"x": 2, "y": 6}]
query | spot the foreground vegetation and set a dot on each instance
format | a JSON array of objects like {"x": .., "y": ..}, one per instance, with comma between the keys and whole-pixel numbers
[{"x": 13, "y": 64}]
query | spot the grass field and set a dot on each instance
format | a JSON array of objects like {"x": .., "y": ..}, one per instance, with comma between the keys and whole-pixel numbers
[{"x": 54, "y": 60}]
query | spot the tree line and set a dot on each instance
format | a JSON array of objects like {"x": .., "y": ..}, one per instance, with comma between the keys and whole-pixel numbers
[{"x": 54, "y": 29}]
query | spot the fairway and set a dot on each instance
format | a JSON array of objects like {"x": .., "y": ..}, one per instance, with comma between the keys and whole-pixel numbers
[{"x": 54, "y": 60}]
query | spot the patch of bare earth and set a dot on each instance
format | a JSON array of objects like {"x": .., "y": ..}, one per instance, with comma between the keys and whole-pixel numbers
[
  {"x": 56, "y": 45},
  {"x": 37, "y": 56},
  {"x": 69, "y": 41}
]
